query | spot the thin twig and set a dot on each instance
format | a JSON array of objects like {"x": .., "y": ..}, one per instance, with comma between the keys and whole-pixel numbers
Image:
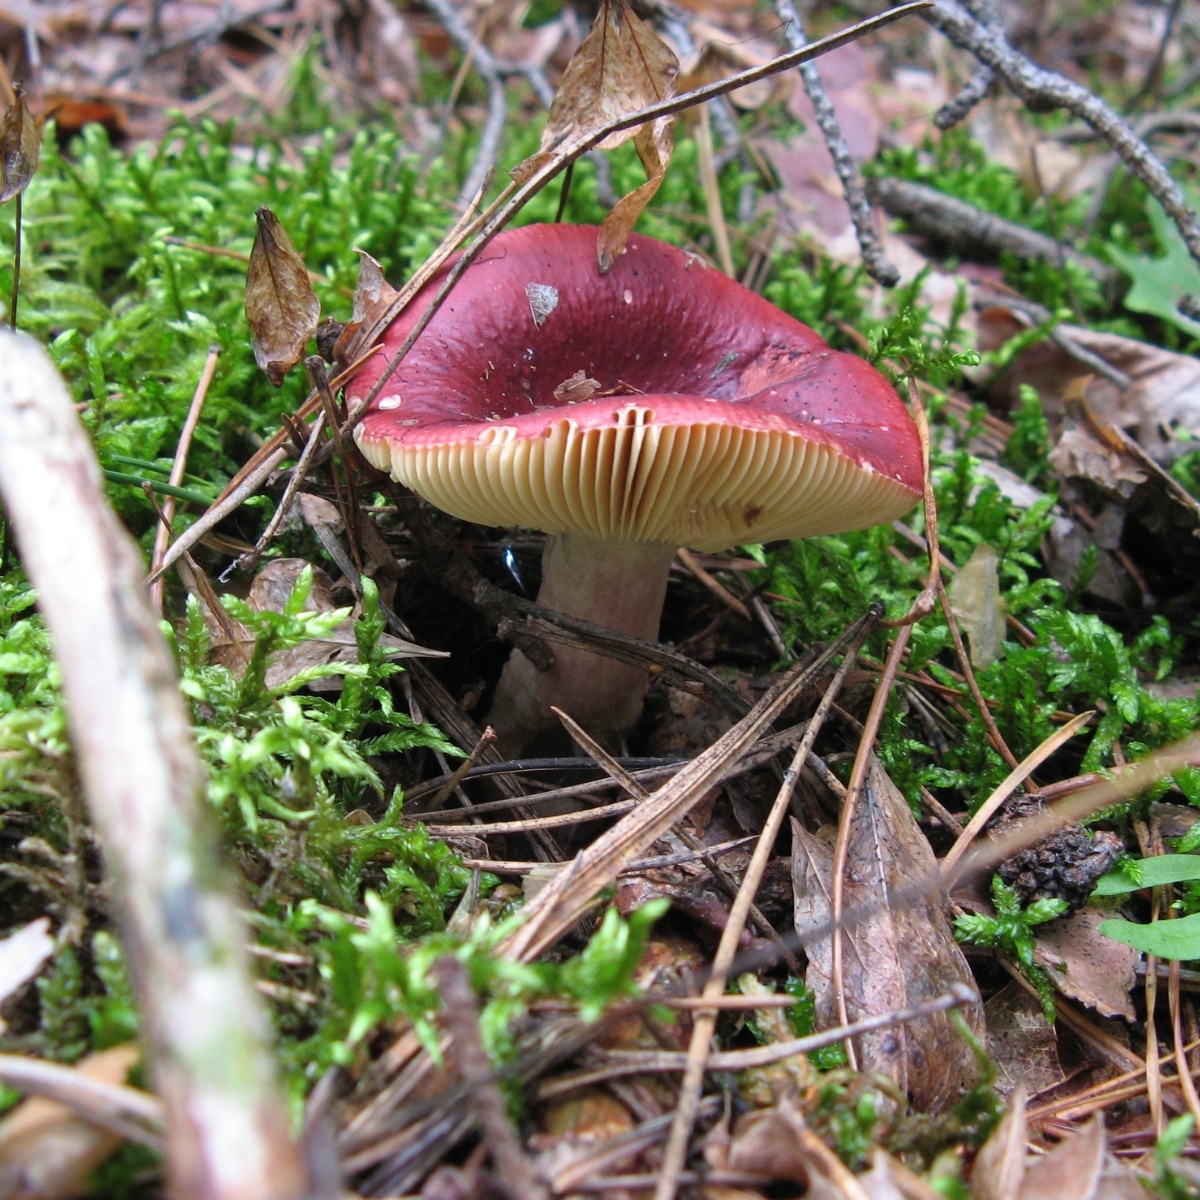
[
  {"x": 205, "y": 1030},
  {"x": 1040, "y": 90},
  {"x": 247, "y": 561},
  {"x": 162, "y": 535},
  {"x": 489, "y": 69},
  {"x": 874, "y": 260},
  {"x": 969, "y": 95},
  {"x": 460, "y": 1014}
]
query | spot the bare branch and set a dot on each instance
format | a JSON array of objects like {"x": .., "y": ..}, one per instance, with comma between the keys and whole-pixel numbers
[
  {"x": 1043, "y": 91},
  {"x": 875, "y": 261},
  {"x": 206, "y": 1032}
]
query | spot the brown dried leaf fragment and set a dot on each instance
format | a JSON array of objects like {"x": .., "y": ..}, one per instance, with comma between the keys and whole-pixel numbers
[
  {"x": 999, "y": 1168},
  {"x": 1072, "y": 1170},
  {"x": 653, "y": 144},
  {"x": 902, "y": 952},
  {"x": 621, "y": 66},
  {"x": 576, "y": 388},
  {"x": 281, "y": 306},
  {"x": 20, "y": 148}
]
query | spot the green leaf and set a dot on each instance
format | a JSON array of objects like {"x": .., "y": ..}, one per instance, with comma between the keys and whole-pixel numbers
[
  {"x": 1158, "y": 283},
  {"x": 1179, "y": 939},
  {"x": 1148, "y": 872}
]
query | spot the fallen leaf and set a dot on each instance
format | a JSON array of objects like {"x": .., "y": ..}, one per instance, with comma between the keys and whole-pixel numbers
[
  {"x": 1164, "y": 516},
  {"x": 231, "y": 643},
  {"x": 373, "y": 294},
  {"x": 47, "y": 1150},
  {"x": 901, "y": 954},
  {"x": 576, "y": 388},
  {"x": 999, "y": 1168},
  {"x": 22, "y": 955},
  {"x": 1160, "y": 399},
  {"x": 653, "y": 144},
  {"x": 767, "y": 1143},
  {"x": 620, "y": 67},
  {"x": 1072, "y": 1170},
  {"x": 717, "y": 58},
  {"x": 1021, "y": 1042},
  {"x": 281, "y": 306},
  {"x": 1118, "y": 1181},
  {"x": 20, "y": 148},
  {"x": 976, "y": 602},
  {"x": 1087, "y": 966}
]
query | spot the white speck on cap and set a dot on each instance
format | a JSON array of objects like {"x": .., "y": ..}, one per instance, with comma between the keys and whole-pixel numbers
[{"x": 389, "y": 402}]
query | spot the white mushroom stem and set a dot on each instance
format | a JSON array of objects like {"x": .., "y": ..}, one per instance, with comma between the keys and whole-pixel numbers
[{"x": 619, "y": 585}]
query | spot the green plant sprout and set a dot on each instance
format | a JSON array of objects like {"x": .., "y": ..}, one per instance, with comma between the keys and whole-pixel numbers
[{"x": 1011, "y": 932}]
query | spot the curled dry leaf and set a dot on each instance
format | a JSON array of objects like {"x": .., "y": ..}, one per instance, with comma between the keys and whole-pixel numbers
[
  {"x": 373, "y": 296},
  {"x": 621, "y": 66},
  {"x": 281, "y": 306},
  {"x": 20, "y": 148},
  {"x": 1072, "y": 1170},
  {"x": 902, "y": 952},
  {"x": 1087, "y": 966}
]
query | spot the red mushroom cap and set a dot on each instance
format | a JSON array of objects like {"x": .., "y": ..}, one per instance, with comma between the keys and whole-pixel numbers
[{"x": 717, "y": 418}]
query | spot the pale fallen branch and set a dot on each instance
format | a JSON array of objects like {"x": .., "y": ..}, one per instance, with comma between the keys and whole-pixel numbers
[{"x": 205, "y": 1031}]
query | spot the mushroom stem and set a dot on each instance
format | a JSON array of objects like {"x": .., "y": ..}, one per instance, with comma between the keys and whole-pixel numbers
[{"x": 620, "y": 585}]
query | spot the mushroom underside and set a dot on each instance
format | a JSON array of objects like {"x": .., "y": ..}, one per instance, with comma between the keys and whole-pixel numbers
[{"x": 660, "y": 404}]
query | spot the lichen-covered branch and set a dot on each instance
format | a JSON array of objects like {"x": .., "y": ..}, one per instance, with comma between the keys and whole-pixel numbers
[
  {"x": 1043, "y": 91},
  {"x": 875, "y": 261}
]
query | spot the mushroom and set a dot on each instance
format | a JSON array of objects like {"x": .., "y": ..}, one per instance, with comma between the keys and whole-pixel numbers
[{"x": 660, "y": 404}]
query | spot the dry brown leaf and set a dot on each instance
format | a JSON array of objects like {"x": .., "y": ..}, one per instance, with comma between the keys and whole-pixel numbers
[
  {"x": 372, "y": 294},
  {"x": 22, "y": 955},
  {"x": 978, "y": 605},
  {"x": 717, "y": 58},
  {"x": 20, "y": 148},
  {"x": 1021, "y": 1042},
  {"x": 1163, "y": 393},
  {"x": 576, "y": 388},
  {"x": 899, "y": 955},
  {"x": 766, "y": 1141},
  {"x": 1166, "y": 514},
  {"x": 653, "y": 144},
  {"x": 621, "y": 66},
  {"x": 269, "y": 592},
  {"x": 1118, "y": 1181},
  {"x": 48, "y": 1151},
  {"x": 1071, "y": 1171},
  {"x": 281, "y": 306},
  {"x": 999, "y": 1168},
  {"x": 1087, "y": 966}
]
